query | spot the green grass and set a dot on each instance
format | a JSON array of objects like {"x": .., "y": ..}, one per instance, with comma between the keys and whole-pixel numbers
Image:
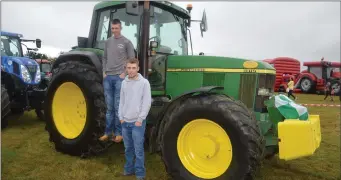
[{"x": 27, "y": 154}]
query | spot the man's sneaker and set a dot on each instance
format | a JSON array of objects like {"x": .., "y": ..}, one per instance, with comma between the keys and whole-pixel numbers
[{"x": 104, "y": 138}]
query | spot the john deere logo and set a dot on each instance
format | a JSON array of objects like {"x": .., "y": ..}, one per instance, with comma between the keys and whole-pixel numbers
[{"x": 250, "y": 64}]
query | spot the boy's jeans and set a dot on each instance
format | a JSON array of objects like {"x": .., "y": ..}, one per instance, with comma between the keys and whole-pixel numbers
[
  {"x": 112, "y": 89},
  {"x": 133, "y": 139}
]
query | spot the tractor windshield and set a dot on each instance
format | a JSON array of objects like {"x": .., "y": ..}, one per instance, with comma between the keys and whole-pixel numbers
[
  {"x": 169, "y": 31},
  {"x": 10, "y": 46}
]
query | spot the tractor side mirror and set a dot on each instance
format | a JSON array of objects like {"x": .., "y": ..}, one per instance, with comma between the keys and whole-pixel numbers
[
  {"x": 203, "y": 24},
  {"x": 82, "y": 42},
  {"x": 132, "y": 8},
  {"x": 38, "y": 43}
]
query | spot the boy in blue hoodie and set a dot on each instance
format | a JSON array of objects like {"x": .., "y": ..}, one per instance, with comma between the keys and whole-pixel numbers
[{"x": 135, "y": 103}]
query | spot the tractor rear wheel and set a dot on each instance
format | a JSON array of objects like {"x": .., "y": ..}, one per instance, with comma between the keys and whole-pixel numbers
[
  {"x": 75, "y": 109},
  {"x": 5, "y": 107},
  {"x": 212, "y": 137}
]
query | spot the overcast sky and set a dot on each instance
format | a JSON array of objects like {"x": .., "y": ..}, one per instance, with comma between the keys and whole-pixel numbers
[{"x": 256, "y": 30}]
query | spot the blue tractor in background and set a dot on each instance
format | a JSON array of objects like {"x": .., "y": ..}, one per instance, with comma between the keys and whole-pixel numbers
[{"x": 20, "y": 79}]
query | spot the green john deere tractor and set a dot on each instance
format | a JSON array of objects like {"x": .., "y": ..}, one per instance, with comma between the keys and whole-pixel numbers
[{"x": 208, "y": 119}]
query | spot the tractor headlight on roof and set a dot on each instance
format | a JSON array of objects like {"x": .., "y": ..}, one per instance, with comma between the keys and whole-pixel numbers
[
  {"x": 38, "y": 75},
  {"x": 25, "y": 74},
  {"x": 264, "y": 92}
]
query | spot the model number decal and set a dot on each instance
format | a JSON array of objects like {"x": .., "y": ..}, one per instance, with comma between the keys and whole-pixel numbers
[{"x": 250, "y": 70}]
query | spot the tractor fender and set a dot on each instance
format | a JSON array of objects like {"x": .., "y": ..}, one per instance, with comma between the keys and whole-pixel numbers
[
  {"x": 85, "y": 56},
  {"x": 305, "y": 75},
  {"x": 161, "y": 118},
  {"x": 309, "y": 75}
]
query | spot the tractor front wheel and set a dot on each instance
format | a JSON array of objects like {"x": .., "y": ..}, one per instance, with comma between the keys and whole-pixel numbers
[
  {"x": 307, "y": 85},
  {"x": 212, "y": 137},
  {"x": 75, "y": 109}
]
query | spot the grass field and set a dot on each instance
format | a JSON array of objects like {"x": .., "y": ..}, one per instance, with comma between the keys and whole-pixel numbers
[{"x": 27, "y": 154}]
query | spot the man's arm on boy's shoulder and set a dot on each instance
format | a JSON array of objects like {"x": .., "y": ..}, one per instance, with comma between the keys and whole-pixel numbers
[
  {"x": 146, "y": 101},
  {"x": 121, "y": 103}
]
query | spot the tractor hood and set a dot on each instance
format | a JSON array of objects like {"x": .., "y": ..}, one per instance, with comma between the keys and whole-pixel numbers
[
  {"x": 22, "y": 60},
  {"x": 185, "y": 62}
]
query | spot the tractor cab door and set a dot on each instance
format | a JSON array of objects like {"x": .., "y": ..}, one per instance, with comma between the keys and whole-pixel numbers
[{"x": 168, "y": 30}]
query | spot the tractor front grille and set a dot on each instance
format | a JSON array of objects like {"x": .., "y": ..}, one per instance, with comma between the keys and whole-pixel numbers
[
  {"x": 264, "y": 81},
  {"x": 247, "y": 89}
]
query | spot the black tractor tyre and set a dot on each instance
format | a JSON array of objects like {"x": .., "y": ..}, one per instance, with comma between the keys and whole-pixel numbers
[
  {"x": 5, "y": 107},
  {"x": 86, "y": 78},
  {"x": 238, "y": 122},
  {"x": 271, "y": 151},
  {"x": 308, "y": 89}
]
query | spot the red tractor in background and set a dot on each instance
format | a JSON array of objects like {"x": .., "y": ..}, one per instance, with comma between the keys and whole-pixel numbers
[
  {"x": 45, "y": 71},
  {"x": 311, "y": 80}
]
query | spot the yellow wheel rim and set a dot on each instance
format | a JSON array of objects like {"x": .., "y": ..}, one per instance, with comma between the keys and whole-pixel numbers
[
  {"x": 204, "y": 148},
  {"x": 69, "y": 110}
]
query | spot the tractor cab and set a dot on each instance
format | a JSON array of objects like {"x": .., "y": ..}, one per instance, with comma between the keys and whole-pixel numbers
[{"x": 163, "y": 33}]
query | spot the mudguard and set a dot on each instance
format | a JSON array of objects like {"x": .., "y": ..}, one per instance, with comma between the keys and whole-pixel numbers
[
  {"x": 156, "y": 131},
  {"x": 89, "y": 57}
]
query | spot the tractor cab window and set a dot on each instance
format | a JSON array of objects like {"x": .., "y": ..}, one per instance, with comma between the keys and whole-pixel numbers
[
  {"x": 130, "y": 26},
  {"x": 169, "y": 31},
  {"x": 10, "y": 46},
  {"x": 317, "y": 71},
  {"x": 103, "y": 28}
]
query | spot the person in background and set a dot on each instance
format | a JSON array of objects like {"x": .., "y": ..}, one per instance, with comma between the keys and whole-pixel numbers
[
  {"x": 135, "y": 103},
  {"x": 291, "y": 88},
  {"x": 328, "y": 91},
  {"x": 116, "y": 52}
]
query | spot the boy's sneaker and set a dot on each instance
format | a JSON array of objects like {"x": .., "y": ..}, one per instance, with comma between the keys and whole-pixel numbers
[{"x": 128, "y": 174}]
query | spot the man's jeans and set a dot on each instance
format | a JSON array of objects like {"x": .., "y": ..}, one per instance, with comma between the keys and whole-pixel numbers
[
  {"x": 112, "y": 89},
  {"x": 133, "y": 139}
]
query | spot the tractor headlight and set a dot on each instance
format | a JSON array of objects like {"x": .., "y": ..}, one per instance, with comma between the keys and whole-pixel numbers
[
  {"x": 25, "y": 74},
  {"x": 264, "y": 92},
  {"x": 38, "y": 75}
]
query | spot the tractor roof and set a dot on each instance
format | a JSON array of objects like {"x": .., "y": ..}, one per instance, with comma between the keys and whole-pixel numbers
[
  {"x": 318, "y": 63},
  {"x": 4, "y": 33},
  {"x": 105, "y": 4}
]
